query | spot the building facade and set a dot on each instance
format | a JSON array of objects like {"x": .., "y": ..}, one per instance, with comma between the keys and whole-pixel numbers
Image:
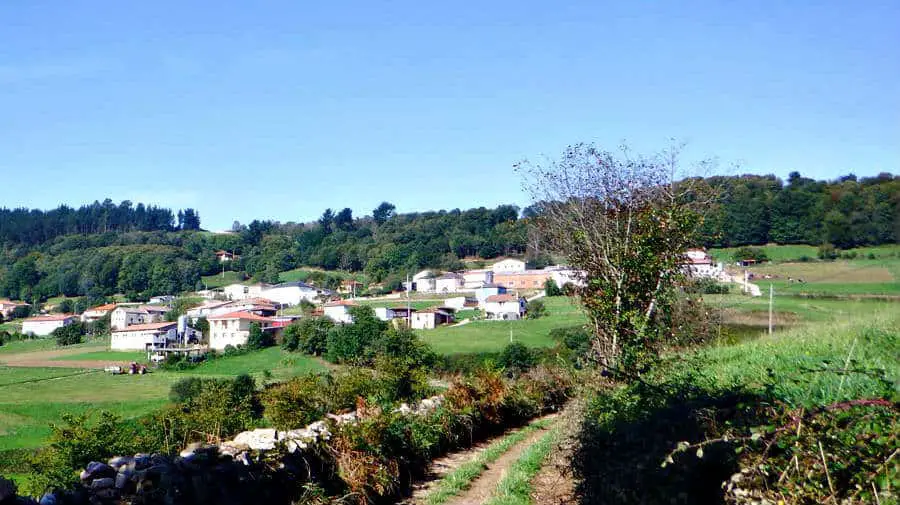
[
  {"x": 140, "y": 337},
  {"x": 234, "y": 328},
  {"x": 44, "y": 325}
]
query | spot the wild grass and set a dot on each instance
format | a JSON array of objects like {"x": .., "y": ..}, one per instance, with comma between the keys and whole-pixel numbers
[
  {"x": 795, "y": 252},
  {"x": 280, "y": 364},
  {"x": 218, "y": 280},
  {"x": 460, "y": 479},
  {"x": 515, "y": 488},
  {"x": 46, "y": 344}
]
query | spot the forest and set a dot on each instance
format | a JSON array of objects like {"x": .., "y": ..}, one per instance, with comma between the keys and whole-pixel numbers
[{"x": 140, "y": 251}]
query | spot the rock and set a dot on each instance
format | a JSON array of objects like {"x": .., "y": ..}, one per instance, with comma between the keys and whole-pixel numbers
[
  {"x": 96, "y": 469},
  {"x": 47, "y": 499},
  {"x": 403, "y": 409},
  {"x": 120, "y": 461},
  {"x": 263, "y": 439},
  {"x": 122, "y": 480},
  {"x": 189, "y": 450},
  {"x": 103, "y": 483},
  {"x": 7, "y": 489}
]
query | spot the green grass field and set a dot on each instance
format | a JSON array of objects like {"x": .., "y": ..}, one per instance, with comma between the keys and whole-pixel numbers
[
  {"x": 111, "y": 356},
  {"x": 46, "y": 344},
  {"x": 280, "y": 364},
  {"x": 795, "y": 252},
  {"x": 219, "y": 280},
  {"x": 486, "y": 336}
]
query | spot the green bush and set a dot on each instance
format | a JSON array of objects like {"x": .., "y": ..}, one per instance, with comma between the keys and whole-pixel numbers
[
  {"x": 308, "y": 335},
  {"x": 827, "y": 252},
  {"x": 551, "y": 288},
  {"x": 259, "y": 339},
  {"x": 69, "y": 334},
  {"x": 516, "y": 358},
  {"x": 535, "y": 309},
  {"x": 746, "y": 253}
]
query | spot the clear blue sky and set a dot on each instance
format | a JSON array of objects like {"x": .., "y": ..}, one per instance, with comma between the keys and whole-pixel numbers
[{"x": 279, "y": 109}]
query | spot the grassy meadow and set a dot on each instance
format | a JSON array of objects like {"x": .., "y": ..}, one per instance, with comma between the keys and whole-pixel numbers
[{"x": 218, "y": 280}]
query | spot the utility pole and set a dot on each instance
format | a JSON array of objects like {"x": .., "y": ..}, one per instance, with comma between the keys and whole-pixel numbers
[
  {"x": 408, "y": 304},
  {"x": 771, "y": 298}
]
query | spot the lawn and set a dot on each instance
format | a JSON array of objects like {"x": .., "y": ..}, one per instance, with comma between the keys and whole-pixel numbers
[
  {"x": 798, "y": 310},
  {"x": 46, "y": 344},
  {"x": 486, "y": 336},
  {"x": 796, "y": 252},
  {"x": 840, "y": 277},
  {"x": 281, "y": 364},
  {"x": 111, "y": 356},
  {"x": 219, "y": 280}
]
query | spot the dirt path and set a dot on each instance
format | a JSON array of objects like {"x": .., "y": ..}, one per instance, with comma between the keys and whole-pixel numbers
[
  {"x": 483, "y": 487},
  {"x": 48, "y": 359}
]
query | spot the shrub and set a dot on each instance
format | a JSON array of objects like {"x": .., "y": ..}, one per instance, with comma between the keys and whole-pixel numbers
[
  {"x": 259, "y": 339},
  {"x": 745, "y": 253},
  {"x": 535, "y": 309},
  {"x": 827, "y": 252},
  {"x": 309, "y": 335},
  {"x": 21, "y": 312},
  {"x": 516, "y": 359},
  {"x": 69, "y": 334},
  {"x": 296, "y": 402},
  {"x": 551, "y": 288}
]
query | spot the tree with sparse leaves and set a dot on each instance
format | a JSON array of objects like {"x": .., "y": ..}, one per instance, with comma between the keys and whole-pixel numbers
[{"x": 625, "y": 221}]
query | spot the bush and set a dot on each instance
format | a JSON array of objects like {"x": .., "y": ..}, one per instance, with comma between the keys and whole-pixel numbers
[
  {"x": 745, "y": 253},
  {"x": 574, "y": 338},
  {"x": 259, "y": 339},
  {"x": 69, "y": 334},
  {"x": 827, "y": 252},
  {"x": 551, "y": 288},
  {"x": 21, "y": 312},
  {"x": 308, "y": 335},
  {"x": 535, "y": 309},
  {"x": 517, "y": 359},
  {"x": 706, "y": 286}
]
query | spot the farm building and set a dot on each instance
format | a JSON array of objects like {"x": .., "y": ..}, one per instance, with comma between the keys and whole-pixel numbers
[
  {"x": 125, "y": 316},
  {"x": 44, "y": 325},
  {"x": 508, "y": 266},
  {"x": 504, "y": 307},
  {"x": 698, "y": 263},
  {"x": 428, "y": 319},
  {"x": 474, "y": 279},
  {"x": 488, "y": 290},
  {"x": 449, "y": 283},
  {"x": 234, "y": 328},
  {"x": 8, "y": 306},
  {"x": 339, "y": 311},
  {"x": 140, "y": 337},
  {"x": 291, "y": 293},
  {"x": 97, "y": 313},
  {"x": 526, "y": 279},
  {"x": 243, "y": 292}
]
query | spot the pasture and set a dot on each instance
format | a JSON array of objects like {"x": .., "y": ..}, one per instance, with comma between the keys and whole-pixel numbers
[
  {"x": 486, "y": 336},
  {"x": 219, "y": 280}
]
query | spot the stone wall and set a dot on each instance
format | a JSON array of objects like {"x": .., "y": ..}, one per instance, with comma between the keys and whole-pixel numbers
[{"x": 263, "y": 466}]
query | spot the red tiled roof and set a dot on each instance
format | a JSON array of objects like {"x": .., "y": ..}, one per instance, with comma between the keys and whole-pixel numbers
[
  {"x": 148, "y": 326},
  {"x": 501, "y": 298},
  {"x": 47, "y": 318},
  {"x": 11, "y": 302},
  {"x": 348, "y": 303},
  {"x": 101, "y": 308},
  {"x": 241, "y": 314}
]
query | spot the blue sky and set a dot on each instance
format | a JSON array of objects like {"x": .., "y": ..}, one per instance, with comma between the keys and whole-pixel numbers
[{"x": 279, "y": 109}]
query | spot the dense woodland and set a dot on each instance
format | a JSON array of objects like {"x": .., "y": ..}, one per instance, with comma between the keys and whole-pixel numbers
[{"x": 104, "y": 248}]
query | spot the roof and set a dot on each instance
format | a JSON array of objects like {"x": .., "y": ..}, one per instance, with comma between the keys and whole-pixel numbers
[
  {"x": 526, "y": 272},
  {"x": 450, "y": 275},
  {"x": 12, "y": 302},
  {"x": 348, "y": 303},
  {"x": 700, "y": 261},
  {"x": 241, "y": 314},
  {"x": 148, "y": 327},
  {"x": 102, "y": 308},
  {"x": 507, "y": 260},
  {"x": 49, "y": 318},
  {"x": 501, "y": 298},
  {"x": 490, "y": 285}
]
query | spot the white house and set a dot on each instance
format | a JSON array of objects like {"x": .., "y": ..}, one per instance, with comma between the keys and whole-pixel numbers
[
  {"x": 473, "y": 279},
  {"x": 385, "y": 313},
  {"x": 448, "y": 283},
  {"x": 125, "y": 316},
  {"x": 97, "y": 313},
  {"x": 139, "y": 337},
  {"x": 44, "y": 325},
  {"x": 291, "y": 293},
  {"x": 504, "y": 307},
  {"x": 459, "y": 302},
  {"x": 563, "y": 275},
  {"x": 206, "y": 309},
  {"x": 339, "y": 311},
  {"x": 234, "y": 328},
  {"x": 482, "y": 293},
  {"x": 242, "y": 291},
  {"x": 428, "y": 319},
  {"x": 698, "y": 263},
  {"x": 8, "y": 306},
  {"x": 508, "y": 266}
]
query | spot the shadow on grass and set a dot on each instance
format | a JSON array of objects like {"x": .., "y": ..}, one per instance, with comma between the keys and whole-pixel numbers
[{"x": 629, "y": 434}]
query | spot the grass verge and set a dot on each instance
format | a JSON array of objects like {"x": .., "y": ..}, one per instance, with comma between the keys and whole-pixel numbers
[
  {"x": 515, "y": 488},
  {"x": 460, "y": 479}
]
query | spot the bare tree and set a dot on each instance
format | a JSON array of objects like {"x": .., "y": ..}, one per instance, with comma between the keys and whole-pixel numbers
[{"x": 625, "y": 221}]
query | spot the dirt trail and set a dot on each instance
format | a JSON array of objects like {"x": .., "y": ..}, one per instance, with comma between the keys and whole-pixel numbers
[
  {"x": 483, "y": 487},
  {"x": 47, "y": 359}
]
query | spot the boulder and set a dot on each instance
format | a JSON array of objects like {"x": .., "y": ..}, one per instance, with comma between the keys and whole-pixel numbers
[
  {"x": 7, "y": 490},
  {"x": 103, "y": 483},
  {"x": 97, "y": 470},
  {"x": 263, "y": 439}
]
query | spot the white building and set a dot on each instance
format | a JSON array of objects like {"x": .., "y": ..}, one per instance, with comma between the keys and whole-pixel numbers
[
  {"x": 473, "y": 279},
  {"x": 125, "y": 316},
  {"x": 459, "y": 302},
  {"x": 44, "y": 325},
  {"x": 234, "y": 328},
  {"x": 563, "y": 275},
  {"x": 428, "y": 319},
  {"x": 8, "y": 306},
  {"x": 385, "y": 313},
  {"x": 206, "y": 309},
  {"x": 448, "y": 283},
  {"x": 97, "y": 313},
  {"x": 504, "y": 307},
  {"x": 508, "y": 266},
  {"x": 242, "y": 291},
  {"x": 482, "y": 293},
  {"x": 139, "y": 337},
  {"x": 291, "y": 293},
  {"x": 339, "y": 311},
  {"x": 698, "y": 263}
]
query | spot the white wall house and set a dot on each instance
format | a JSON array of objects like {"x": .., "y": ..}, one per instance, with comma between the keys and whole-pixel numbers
[
  {"x": 385, "y": 313},
  {"x": 508, "y": 266},
  {"x": 473, "y": 279},
  {"x": 206, "y": 309},
  {"x": 234, "y": 328},
  {"x": 699, "y": 263},
  {"x": 563, "y": 275},
  {"x": 291, "y": 293},
  {"x": 482, "y": 293},
  {"x": 448, "y": 283},
  {"x": 457, "y": 303},
  {"x": 339, "y": 311},
  {"x": 8, "y": 306},
  {"x": 44, "y": 325},
  {"x": 97, "y": 313},
  {"x": 123, "y": 317},
  {"x": 242, "y": 292},
  {"x": 139, "y": 337},
  {"x": 504, "y": 307},
  {"x": 428, "y": 319}
]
